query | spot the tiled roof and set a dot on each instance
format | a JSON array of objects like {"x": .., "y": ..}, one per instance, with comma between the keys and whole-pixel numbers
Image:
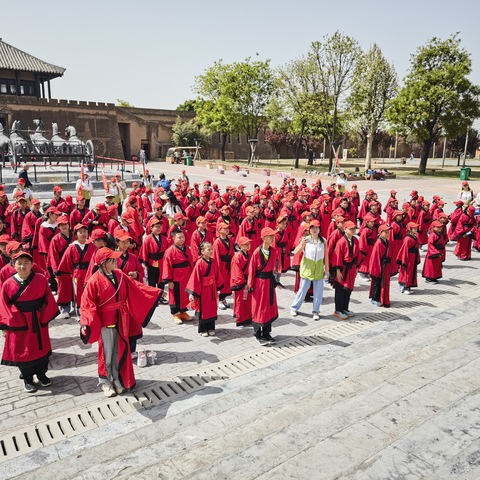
[{"x": 12, "y": 58}]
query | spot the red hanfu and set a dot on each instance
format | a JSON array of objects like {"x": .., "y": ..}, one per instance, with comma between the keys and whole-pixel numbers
[
  {"x": 249, "y": 228},
  {"x": 129, "y": 263},
  {"x": 16, "y": 222},
  {"x": 177, "y": 267},
  {"x": 242, "y": 298},
  {"x": 9, "y": 270},
  {"x": 366, "y": 243},
  {"x": 380, "y": 270},
  {"x": 76, "y": 262},
  {"x": 424, "y": 220},
  {"x": 204, "y": 283},
  {"x": 432, "y": 267},
  {"x": 261, "y": 282},
  {"x": 123, "y": 302},
  {"x": 396, "y": 236},
  {"x": 345, "y": 258},
  {"x": 46, "y": 232},
  {"x": 153, "y": 251},
  {"x": 464, "y": 234},
  {"x": 28, "y": 228},
  {"x": 26, "y": 309},
  {"x": 80, "y": 216},
  {"x": 58, "y": 247},
  {"x": 283, "y": 250},
  {"x": 197, "y": 239},
  {"x": 223, "y": 254},
  {"x": 408, "y": 258}
]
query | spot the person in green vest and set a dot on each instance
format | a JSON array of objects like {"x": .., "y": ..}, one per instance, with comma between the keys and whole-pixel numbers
[{"x": 314, "y": 267}]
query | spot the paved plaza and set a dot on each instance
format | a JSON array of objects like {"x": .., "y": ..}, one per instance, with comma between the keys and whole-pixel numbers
[{"x": 389, "y": 394}]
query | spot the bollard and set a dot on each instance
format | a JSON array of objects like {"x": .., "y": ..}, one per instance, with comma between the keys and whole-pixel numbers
[
  {"x": 96, "y": 172},
  {"x": 68, "y": 174},
  {"x": 35, "y": 172},
  {"x": 1, "y": 174}
]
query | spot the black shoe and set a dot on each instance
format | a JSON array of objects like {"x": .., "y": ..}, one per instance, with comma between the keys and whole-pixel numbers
[
  {"x": 262, "y": 341},
  {"x": 269, "y": 339},
  {"x": 44, "y": 381},
  {"x": 29, "y": 388},
  {"x": 279, "y": 285}
]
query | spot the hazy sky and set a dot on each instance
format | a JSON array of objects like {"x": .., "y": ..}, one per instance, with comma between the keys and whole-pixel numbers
[{"x": 149, "y": 51}]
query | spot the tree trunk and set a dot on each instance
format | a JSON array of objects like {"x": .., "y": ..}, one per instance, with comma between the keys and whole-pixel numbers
[
  {"x": 427, "y": 144},
  {"x": 297, "y": 150},
  {"x": 368, "y": 154},
  {"x": 310, "y": 157},
  {"x": 223, "y": 145}
]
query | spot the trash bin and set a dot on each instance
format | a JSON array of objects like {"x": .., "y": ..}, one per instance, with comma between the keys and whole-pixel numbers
[
  {"x": 465, "y": 173},
  {"x": 189, "y": 160}
]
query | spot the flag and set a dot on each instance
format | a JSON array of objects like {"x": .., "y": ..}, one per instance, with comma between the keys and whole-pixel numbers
[
  {"x": 104, "y": 180},
  {"x": 82, "y": 178}
]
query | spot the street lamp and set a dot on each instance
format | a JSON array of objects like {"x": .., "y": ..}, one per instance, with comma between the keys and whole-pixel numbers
[
  {"x": 197, "y": 146},
  {"x": 253, "y": 145}
]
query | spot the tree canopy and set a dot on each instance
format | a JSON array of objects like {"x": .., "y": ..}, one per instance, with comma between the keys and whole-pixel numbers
[{"x": 437, "y": 97}]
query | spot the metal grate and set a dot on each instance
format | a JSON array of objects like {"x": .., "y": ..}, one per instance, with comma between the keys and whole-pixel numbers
[{"x": 22, "y": 441}]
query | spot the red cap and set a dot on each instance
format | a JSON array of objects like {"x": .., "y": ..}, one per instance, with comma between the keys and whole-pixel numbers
[
  {"x": 369, "y": 217},
  {"x": 56, "y": 188},
  {"x": 383, "y": 227},
  {"x": 464, "y": 184},
  {"x": 79, "y": 198},
  {"x": 458, "y": 202},
  {"x": 20, "y": 195},
  {"x": 437, "y": 197},
  {"x": 102, "y": 207},
  {"x": 305, "y": 214},
  {"x": 412, "y": 225},
  {"x": 79, "y": 226},
  {"x": 112, "y": 210},
  {"x": 339, "y": 219},
  {"x": 5, "y": 238},
  {"x": 62, "y": 220},
  {"x": 243, "y": 241},
  {"x": 12, "y": 246},
  {"x": 122, "y": 235},
  {"x": 105, "y": 253},
  {"x": 266, "y": 232},
  {"x": 281, "y": 218},
  {"x": 21, "y": 181},
  {"x": 98, "y": 234},
  {"x": 22, "y": 254},
  {"x": 155, "y": 221},
  {"x": 249, "y": 209},
  {"x": 314, "y": 223},
  {"x": 211, "y": 202},
  {"x": 349, "y": 224},
  {"x": 222, "y": 225},
  {"x": 179, "y": 216},
  {"x": 200, "y": 220},
  {"x": 35, "y": 201},
  {"x": 398, "y": 212},
  {"x": 392, "y": 192},
  {"x": 436, "y": 223},
  {"x": 53, "y": 210},
  {"x": 127, "y": 217}
]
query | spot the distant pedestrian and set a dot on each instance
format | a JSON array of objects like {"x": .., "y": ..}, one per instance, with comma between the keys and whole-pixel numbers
[{"x": 24, "y": 174}]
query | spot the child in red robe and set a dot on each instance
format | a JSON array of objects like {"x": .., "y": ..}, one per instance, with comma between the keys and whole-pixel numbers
[
  {"x": 242, "y": 298},
  {"x": 432, "y": 268},
  {"x": 408, "y": 258},
  {"x": 380, "y": 268}
]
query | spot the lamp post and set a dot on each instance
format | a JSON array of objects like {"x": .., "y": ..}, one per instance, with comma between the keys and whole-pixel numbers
[
  {"x": 253, "y": 146},
  {"x": 197, "y": 146},
  {"x": 465, "y": 149}
]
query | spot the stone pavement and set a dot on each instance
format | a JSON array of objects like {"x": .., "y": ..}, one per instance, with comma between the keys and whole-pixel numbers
[{"x": 398, "y": 399}]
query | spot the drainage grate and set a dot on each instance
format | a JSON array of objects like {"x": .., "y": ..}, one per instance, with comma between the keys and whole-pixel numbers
[{"x": 22, "y": 441}]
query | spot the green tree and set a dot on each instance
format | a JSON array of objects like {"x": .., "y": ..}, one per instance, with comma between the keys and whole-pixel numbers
[
  {"x": 437, "y": 95},
  {"x": 124, "y": 103},
  {"x": 188, "y": 106},
  {"x": 184, "y": 134},
  {"x": 374, "y": 84},
  {"x": 335, "y": 59}
]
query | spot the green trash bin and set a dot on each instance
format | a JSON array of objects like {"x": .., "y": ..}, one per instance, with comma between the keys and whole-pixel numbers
[
  {"x": 189, "y": 160},
  {"x": 465, "y": 173}
]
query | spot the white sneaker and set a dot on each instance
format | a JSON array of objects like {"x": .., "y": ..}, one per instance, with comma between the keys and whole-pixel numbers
[
  {"x": 293, "y": 312},
  {"x": 407, "y": 291},
  {"x": 364, "y": 278},
  {"x": 108, "y": 390},
  {"x": 118, "y": 387},
  {"x": 222, "y": 306},
  {"x": 316, "y": 316}
]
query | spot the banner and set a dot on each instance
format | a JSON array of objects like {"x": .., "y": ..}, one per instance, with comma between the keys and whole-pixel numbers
[{"x": 82, "y": 179}]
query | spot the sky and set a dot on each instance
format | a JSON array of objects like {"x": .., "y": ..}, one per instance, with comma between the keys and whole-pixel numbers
[{"x": 148, "y": 52}]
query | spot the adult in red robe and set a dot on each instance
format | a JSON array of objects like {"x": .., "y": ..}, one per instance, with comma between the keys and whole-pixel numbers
[
  {"x": 114, "y": 305},
  {"x": 223, "y": 253},
  {"x": 204, "y": 283},
  {"x": 261, "y": 283},
  {"x": 432, "y": 267},
  {"x": 27, "y": 307},
  {"x": 344, "y": 261},
  {"x": 379, "y": 268},
  {"x": 242, "y": 298},
  {"x": 177, "y": 267},
  {"x": 76, "y": 260},
  {"x": 408, "y": 258},
  {"x": 58, "y": 247}
]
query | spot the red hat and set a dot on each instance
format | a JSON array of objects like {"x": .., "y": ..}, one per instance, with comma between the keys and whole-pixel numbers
[
  {"x": 243, "y": 241},
  {"x": 464, "y": 184},
  {"x": 437, "y": 224},
  {"x": 437, "y": 197},
  {"x": 56, "y": 188},
  {"x": 471, "y": 209},
  {"x": 281, "y": 218},
  {"x": 21, "y": 181},
  {"x": 392, "y": 192},
  {"x": 249, "y": 209},
  {"x": 134, "y": 184},
  {"x": 211, "y": 202},
  {"x": 5, "y": 238},
  {"x": 239, "y": 187},
  {"x": 222, "y": 225},
  {"x": 102, "y": 207},
  {"x": 267, "y": 232},
  {"x": 405, "y": 205},
  {"x": 305, "y": 214},
  {"x": 156, "y": 221},
  {"x": 314, "y": 223},
  {"x": 425, "y": 203},
  {"x": 105, "y": 253},
  {"x": 369, "y": 192},
  {"x": 442, "y": 215},
  {"x": 383, "y": 227},
  {"x": 458, "y": 203},
  {"x": 340, "y": 218},
  {"x": 412, "y": 225},
  {"x": 79, "y": 226},
  {"x": 248, "y": 194},
  {"x": 22, "y": 254},
  {"x": 369, "y": 217},
  {"x": 349, "y": 224},
  {"x": 79, "y": 198},
  {"x": 413, "y": 193},
  {"x": 12, "y": 246},
  {"x": 224, "y": 207},
  {"x": 2, "y": 193},
  {"x": 122, "y": 235},
  {"x": 112, "y": 210},
  {"x": 127, "y": 217},
  {"x": 179, "y": 216},
  {"x": 53, "y": 210},
  {"x": 35, "y": 201},
  {"x": 398, "y": 212},
  {"x": 113, "y": 179},
  {"x": 440, "y": 202},
  {"x": 157, "y": 205},
  {"x": 19, "y": 194},
  {"x": 200, "y": 219},
  {"x": 98, "y": 234},
  {"x": 62, "y": 220}
]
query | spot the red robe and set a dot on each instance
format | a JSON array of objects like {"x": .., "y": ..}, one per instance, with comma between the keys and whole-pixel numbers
[
  {"x": 464, "y": 234},
  {"x": 380, "y": 267},
  {"x": 211, "y": 218},
  {"x": 177, "y": 267},
  {"x": 128, "y": 304},
  {"x": 129, "y": 263},
  {"x": 76, "y": 262},
  {"x": 397, "y": 234},
  {"x": 165, "y": 224},
  {"x": 432, "y": 267},
  {"x": 28, "y": 228},
  {"x": 366, "y": 243},
  {"x": 249, "y": 228},
  {"x": 242, "y": 298},
  {"x": 45, "y": 235},
  {"x": 153, "y": 251},
  {"x": 16, "y": 222},
  {"x": 8, "y": 271},
  {"x": 204, "y": 282},
  {"x": 58, "y": 247},
  {"x": 223, "y": 254},
  {"x": 197, "y": 239},
  {"x": 408, "y": 258},
  {"x": 424, "y": 221},
  {"x": 26, "y": 309},
  {"x": 283, "y": 252},
  {"x": 346, "y": 258},
  {"x": 79, "y": 216},
  {"x": 261, "y": 282}
]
